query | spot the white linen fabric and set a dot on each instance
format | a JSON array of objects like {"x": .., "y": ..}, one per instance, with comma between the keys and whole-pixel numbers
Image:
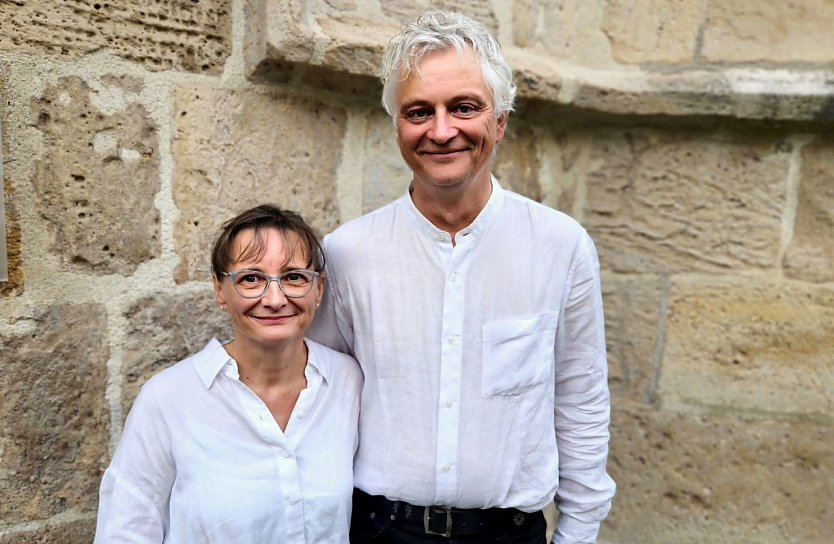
[
  {"x": 484, "y": 361},
  {"x": 202, "y": 460}
]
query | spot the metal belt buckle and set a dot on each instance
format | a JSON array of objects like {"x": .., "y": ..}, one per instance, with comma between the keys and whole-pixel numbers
[{"x": 438, "y": 510}]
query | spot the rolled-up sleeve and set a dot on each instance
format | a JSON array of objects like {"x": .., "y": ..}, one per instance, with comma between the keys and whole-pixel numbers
[{"x": 582, "y": 404}]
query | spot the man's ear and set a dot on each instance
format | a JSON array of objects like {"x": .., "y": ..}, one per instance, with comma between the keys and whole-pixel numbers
[{"x": 502, "y": 126}]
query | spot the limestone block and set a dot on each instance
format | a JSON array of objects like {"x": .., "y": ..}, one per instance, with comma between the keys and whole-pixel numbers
[
  {"x": 53, "y": 441},
  {"x": 810, "y": 255},
  {"x": 793, "y": 31},
  {"x": 667, "y": 201},
  {"x": 97, "y": 177},
  {"x": 755, "y": 344},
  {"x": 385, "y": 175},
  {"x": 656, "y": 31},
  {"x": 164, "y": 329},
  {"x": 12, "y": 225},
  {"x": 162, "y": 35},
  {"x": 568, "y": 30},
  {"x": 237, "y": 149},
  {"x": 339, "y": 35},
  {"x": 632, "y": 323},
  {"x": 690, "y": 479},
  {"x": 517, "y": 163},
  {"x": 75, "y": 532}
]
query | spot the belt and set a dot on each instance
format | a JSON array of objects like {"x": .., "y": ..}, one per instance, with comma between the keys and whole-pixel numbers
[{"x": 447, "y": 521}]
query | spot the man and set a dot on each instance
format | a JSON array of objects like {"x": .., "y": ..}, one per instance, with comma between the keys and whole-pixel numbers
[{"x": 476, "y": 316}]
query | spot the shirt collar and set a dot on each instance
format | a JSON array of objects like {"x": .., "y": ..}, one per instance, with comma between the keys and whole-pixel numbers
[
  {"x": 476, "y": 227},
  {"x": 214, "y": 357}
]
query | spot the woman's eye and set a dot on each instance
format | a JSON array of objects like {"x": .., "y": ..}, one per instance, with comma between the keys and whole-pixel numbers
[
  {"x": 250, "y": 279},
  {"x": 296, "y": 277}
]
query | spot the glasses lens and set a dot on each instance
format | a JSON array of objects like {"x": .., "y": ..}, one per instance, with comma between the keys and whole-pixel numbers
[
  {"x": 296, "y": 283},
  {"x": 250, "y": 284}
]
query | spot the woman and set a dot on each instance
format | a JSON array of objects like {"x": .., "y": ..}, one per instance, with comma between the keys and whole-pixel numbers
[{"x": 250, "y": 441}]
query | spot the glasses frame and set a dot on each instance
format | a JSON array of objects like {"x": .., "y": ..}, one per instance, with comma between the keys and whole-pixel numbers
[{"x": 269, "y": 280}]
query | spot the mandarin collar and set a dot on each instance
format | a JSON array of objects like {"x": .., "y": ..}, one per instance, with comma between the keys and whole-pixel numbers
[{"x": 475, "y": 228}]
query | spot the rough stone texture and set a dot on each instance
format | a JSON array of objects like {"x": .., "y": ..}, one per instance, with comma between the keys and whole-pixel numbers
[
  {"x": 75, "y": 532},
  {"x": 95, "y": 225},
  {"x": 406, "y": 11},
  {"x": 237, "y": 149},
  {"x": 564, "y": 157},
  {"x": 165, "y": 329},
  {"x": 517, "y": 164},
  {"x": 810, "y": 255},
  {"x": 689, "y": 479},
  {"x": 632, "y": 321},
  {"x": 12, "y": 227},
  {"x": 797, "y": 31},
  {"x": 656, "y": 31},
  {"x": 671, "y": 202},
  {"x": 761, "y": 345},
  {"x": 385, "y": 175},
  {"x": 567, "y": 30},
  {"x": 194, "y": 36},
  {"x": 53, "y": 441}
]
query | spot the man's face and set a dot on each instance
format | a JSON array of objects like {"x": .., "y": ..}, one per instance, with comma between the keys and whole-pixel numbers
[{"x": 446, "y": 124}]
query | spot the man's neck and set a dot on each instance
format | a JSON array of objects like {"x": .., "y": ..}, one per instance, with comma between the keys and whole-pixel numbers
[{"x": 452, "y": 209}]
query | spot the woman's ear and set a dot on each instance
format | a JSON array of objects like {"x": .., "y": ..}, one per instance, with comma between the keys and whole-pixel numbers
[
  {"x": 320, "y": 287},
  {"x": 218, "y": 291}
]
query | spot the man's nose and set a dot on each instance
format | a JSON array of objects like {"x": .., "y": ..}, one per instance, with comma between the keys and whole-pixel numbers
[{"x": 443, "y": 128}]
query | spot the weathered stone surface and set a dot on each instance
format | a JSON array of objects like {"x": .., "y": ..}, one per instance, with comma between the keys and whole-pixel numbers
[
  {"x": 749, "y": 31},
  {"x": 12, "y": 226},
  {"x": 95, "y": 224},
  {"x": 165, "y": 329},
  {"x": 53, "y": 441},
  {"x": 689, "y": 479},
  {"x": 517, "y": 164},
  {"x": 162, "y": 35},
  {"x": 75, "y": 532},
  {"x": 406, "y": 11},
  {"x": 564, "y": 160},
  {"x": 810, "y": 255},
  {"x": 762, "y": 345},
  {"x": 567, "y": 30},
  {"x": 669, "y": 202},
  {"x": 385, "y": 175},
  {"x": 237, "y": 149},
  {"x": 655, "y": 31},
  {"x": 632, "y": 323}
]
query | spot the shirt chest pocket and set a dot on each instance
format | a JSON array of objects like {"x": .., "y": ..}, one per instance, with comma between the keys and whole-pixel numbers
[{"x": 517, "y": 354}]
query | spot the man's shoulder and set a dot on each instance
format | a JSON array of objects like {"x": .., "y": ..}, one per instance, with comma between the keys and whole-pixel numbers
[
  {"x": 541, "y": 215},
  {"x": 358, "y": 232}
]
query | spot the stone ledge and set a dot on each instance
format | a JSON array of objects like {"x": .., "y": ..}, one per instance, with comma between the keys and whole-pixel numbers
[{"x": 355, "y": 47}]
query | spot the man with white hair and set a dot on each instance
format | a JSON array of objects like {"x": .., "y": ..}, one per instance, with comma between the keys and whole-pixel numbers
[{"x": 476, "y": 315}]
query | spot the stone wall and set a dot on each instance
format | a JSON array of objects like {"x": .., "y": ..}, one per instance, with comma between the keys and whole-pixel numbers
[{"x": 691, "y": 137}]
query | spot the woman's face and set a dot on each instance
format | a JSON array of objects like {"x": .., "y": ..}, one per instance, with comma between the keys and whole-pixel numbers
[{"x": 272, "y": 319}]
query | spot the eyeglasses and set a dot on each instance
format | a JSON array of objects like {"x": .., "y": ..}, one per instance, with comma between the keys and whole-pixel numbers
[{"x": 253, "y": 284}]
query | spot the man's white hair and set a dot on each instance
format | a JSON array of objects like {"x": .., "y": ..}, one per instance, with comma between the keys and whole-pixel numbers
[{"x": 436, "y": 31}]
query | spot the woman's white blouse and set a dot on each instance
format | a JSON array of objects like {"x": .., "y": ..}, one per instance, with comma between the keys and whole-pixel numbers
[{"x": 202, "y": 460}]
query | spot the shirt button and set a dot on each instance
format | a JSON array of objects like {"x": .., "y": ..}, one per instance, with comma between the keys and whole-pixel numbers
[
  {"x": 286, "y": 455},
  {"x": 292, "y": 500},
  {"x": 446, "y": 468},
  {"x": 449, "y": 404}
]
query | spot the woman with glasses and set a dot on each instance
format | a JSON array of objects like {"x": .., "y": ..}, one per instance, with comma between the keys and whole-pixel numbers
[{"x": 252, "y": 440}]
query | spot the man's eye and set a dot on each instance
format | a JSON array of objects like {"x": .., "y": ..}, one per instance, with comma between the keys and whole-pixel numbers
[
  {"x": 465, "y": 109},
  {"x": 418, "y": 114}
]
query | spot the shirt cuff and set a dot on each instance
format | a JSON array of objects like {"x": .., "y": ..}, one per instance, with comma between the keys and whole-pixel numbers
[{"x": 572, "y": 531}]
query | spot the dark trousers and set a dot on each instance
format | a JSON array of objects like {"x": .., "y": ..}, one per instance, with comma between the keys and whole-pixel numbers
[{"x": 372, "y": 527}]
